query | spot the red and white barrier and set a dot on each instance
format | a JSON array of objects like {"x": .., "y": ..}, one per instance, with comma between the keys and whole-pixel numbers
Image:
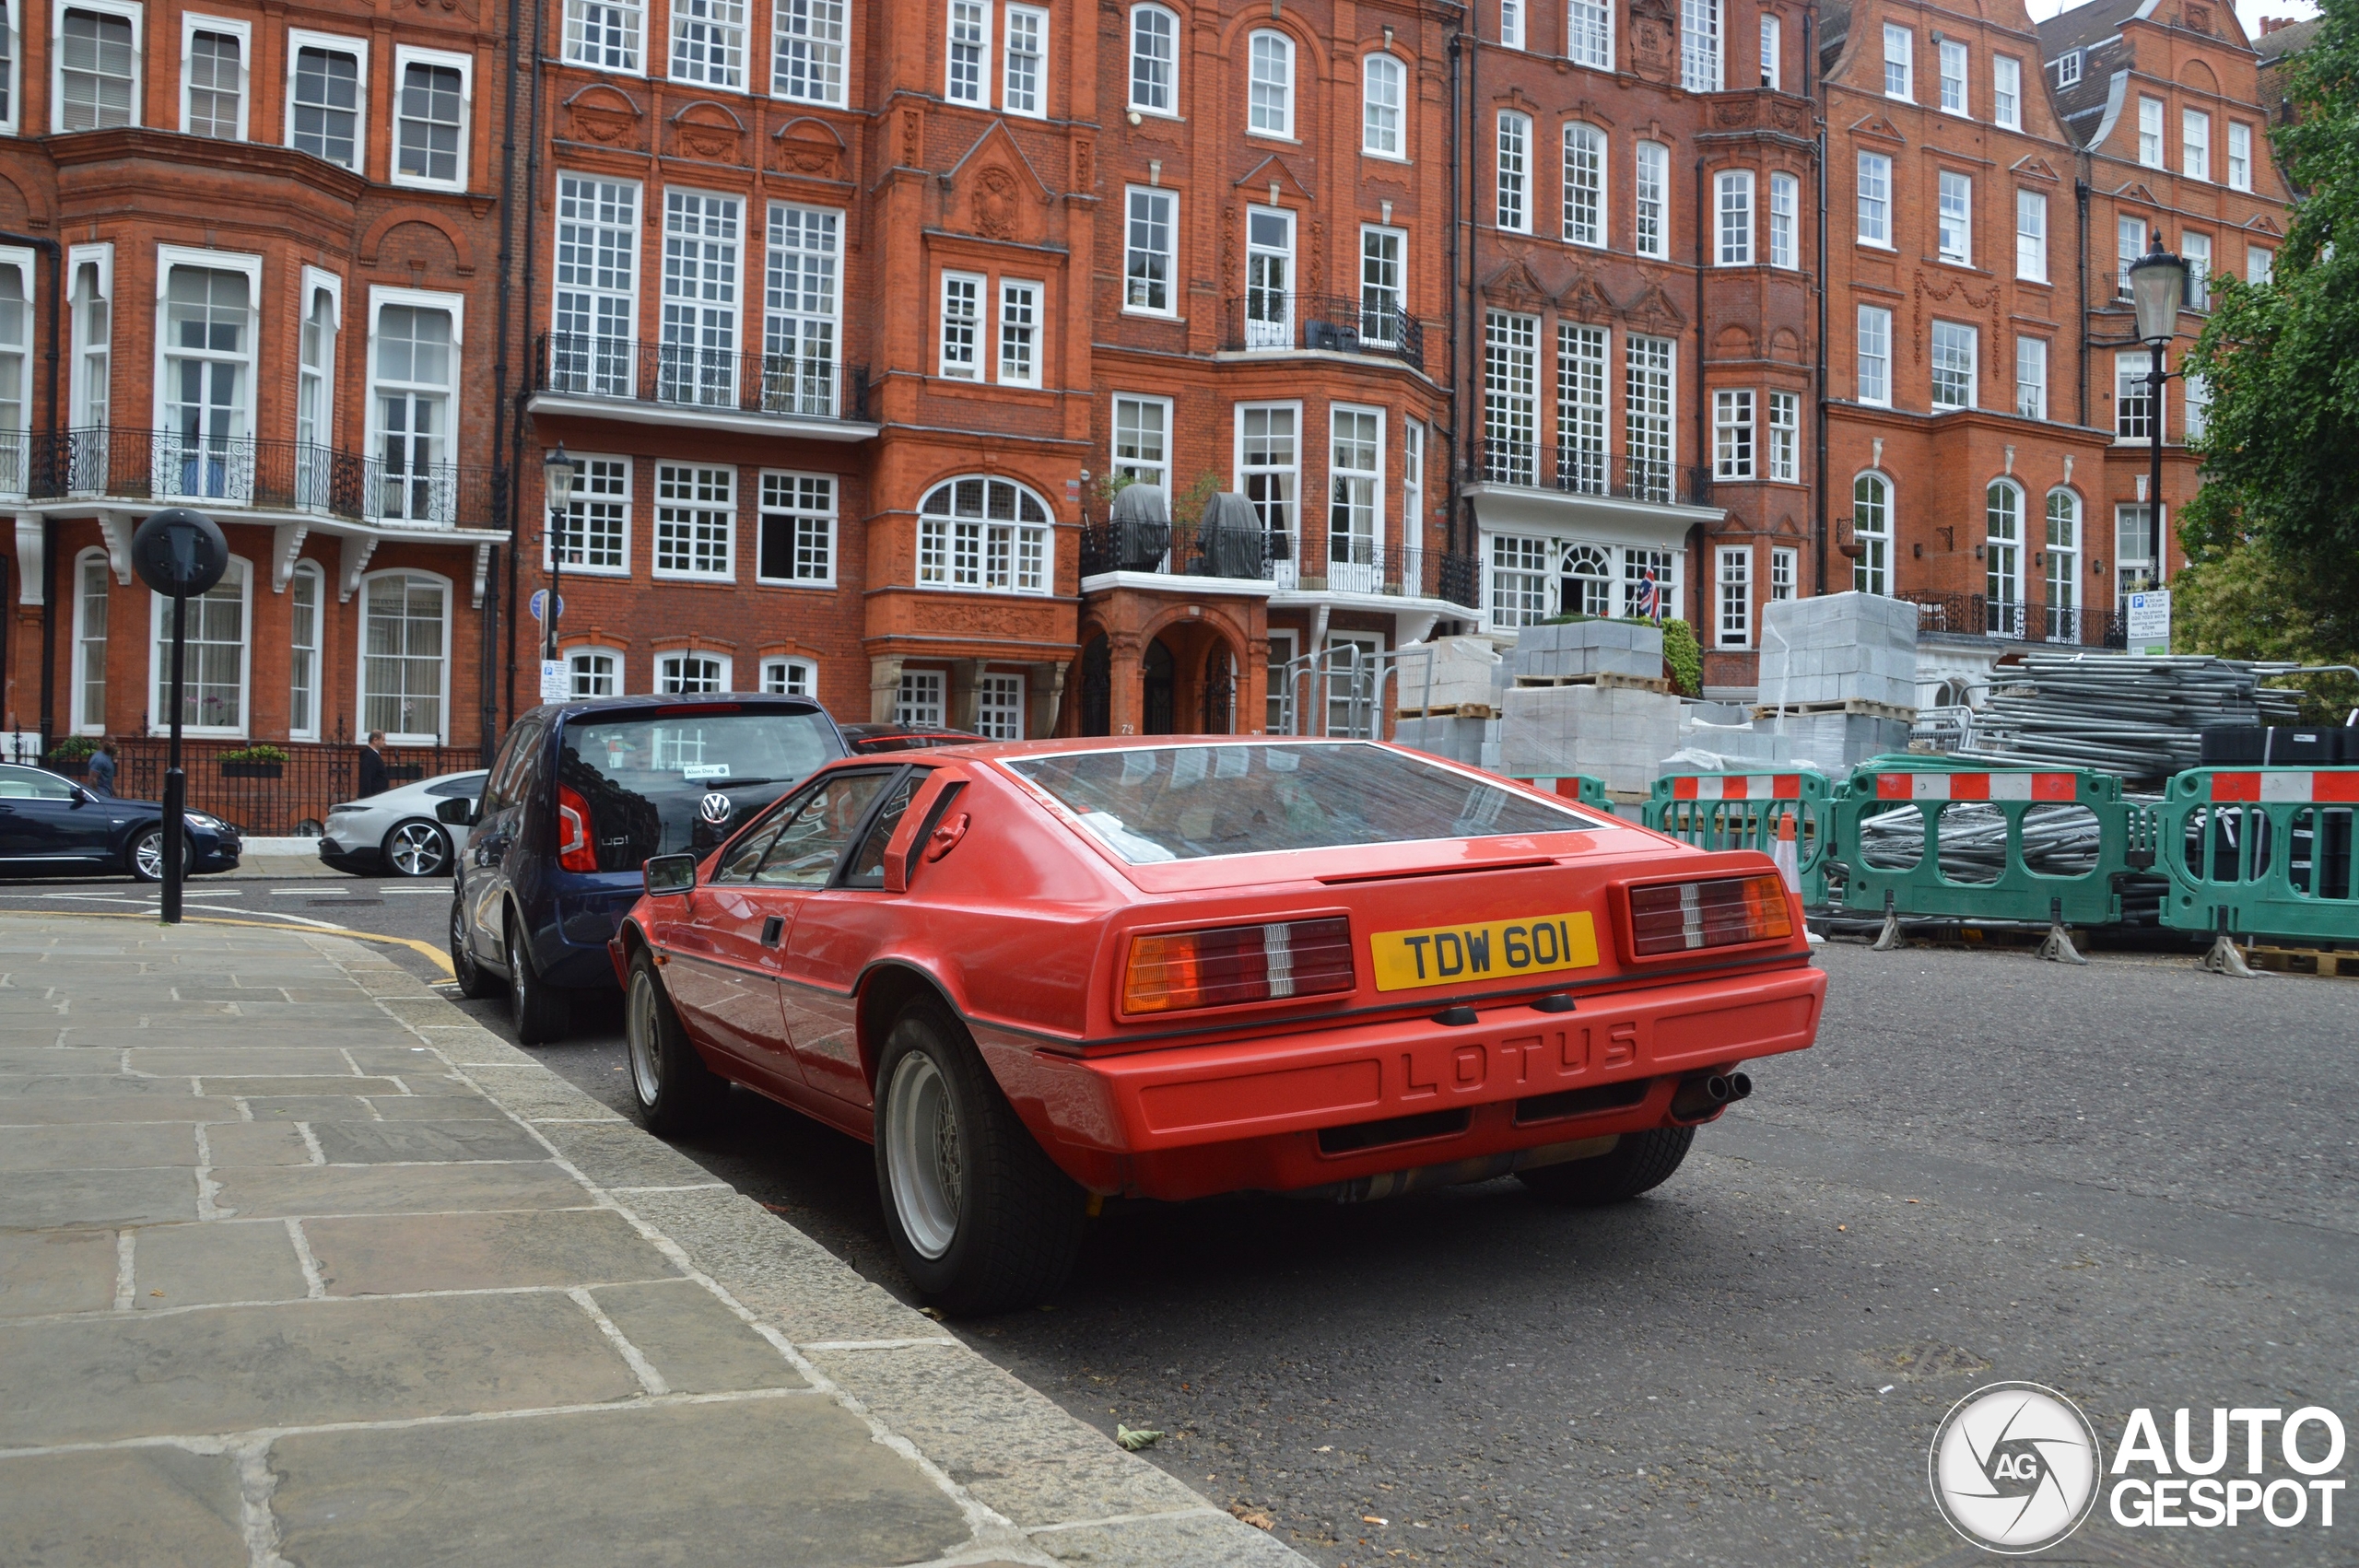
[
  {"x": 1568, "y": 787},
  {"x": 1978, "y": 787},
  {"x": 1737, "y": 787},
  {"x": 2339, "y": 787}
]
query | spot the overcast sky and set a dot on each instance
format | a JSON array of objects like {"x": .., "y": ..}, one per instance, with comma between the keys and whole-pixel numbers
[{"x": 2248, "y": 12}]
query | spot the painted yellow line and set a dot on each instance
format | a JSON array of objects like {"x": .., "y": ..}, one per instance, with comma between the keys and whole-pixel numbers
[{"x": 441, "y": 959}]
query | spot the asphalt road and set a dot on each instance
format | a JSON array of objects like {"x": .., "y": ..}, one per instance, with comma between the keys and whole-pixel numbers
[{"x": 2132, "y": 1182}]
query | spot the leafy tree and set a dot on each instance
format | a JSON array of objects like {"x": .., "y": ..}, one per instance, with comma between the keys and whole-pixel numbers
[
  {"x": 2281, "y": 360},
  {"x": 2247, "y": 602}
]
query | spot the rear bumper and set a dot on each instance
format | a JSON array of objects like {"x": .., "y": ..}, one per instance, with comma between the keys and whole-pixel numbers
[{"x": 1194, "y": 1120}]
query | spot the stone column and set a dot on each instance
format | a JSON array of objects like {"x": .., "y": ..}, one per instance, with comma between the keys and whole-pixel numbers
[
  {"x": 1044, "y": 695},
  {"x": 959, "y": 711},
  {"x": 1125, "y": 701},
  {"x": 884, "y": 689}
]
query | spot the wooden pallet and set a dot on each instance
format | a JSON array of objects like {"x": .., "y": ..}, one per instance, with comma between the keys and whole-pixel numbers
[
  {"x": 1603, "y": 678},
  {"x": 1848, "y": 705},
  {"x": 1452, "y": 711},
  {"x": 2322, "y": 962}
]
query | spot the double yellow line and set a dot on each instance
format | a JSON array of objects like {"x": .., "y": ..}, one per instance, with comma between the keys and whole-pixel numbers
[{"x": 441, "y": 959}]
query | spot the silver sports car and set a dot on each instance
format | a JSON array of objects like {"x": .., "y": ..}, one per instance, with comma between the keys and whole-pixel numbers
[{"x": 395, "y": 831}]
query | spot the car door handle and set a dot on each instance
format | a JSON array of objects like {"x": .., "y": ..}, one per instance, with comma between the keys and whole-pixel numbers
[{"x": 773, "y": 927}]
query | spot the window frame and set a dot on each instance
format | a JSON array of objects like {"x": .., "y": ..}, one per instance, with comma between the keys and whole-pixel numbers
[
  {"x": 1725, "y": 183},
  {"x": 194, "y": 22},
  {"x": 2006, "y": 92},
  {"x": 1337, "y": 410},
  {"x": 1948, "y": 50},
  {"x": 2240, "y": 170},
  {"x": 2147, "y": 101},
  {"x": 452, "y": 304},
  {"x": 1373, "y": 64},
  {"x": 159, "y": 675},
  {"x": 923, "y": 681},
  {"x": 1169, "y": 254},
  {"x": 1285, "y": 88},
  {"x": 984, "y": 707},
  {"x": 1512, "y": 31},
  {"x": 1732, "y": 612},
  {"x": 1871, "y": 572},
  {"x": 1599, "y": 155},
  {"x": 1973, "y": 369},
  {"x": 843, "y": 64},
  {"x": 1641, "y": 178},
  {"x": 1905, "y": 63},
  {"x": 2026, "y": 341},
  {"x": 1171, "y": 65},
  {"x": 98, "y": 258},
  {"x": 1704, "y": 67},
  {"x": 299, "y": 39},
  {"x": 1116, "y": 463},
  {"x": 583, "y": 500},
  {"x": 308, "y": 571},
  {"x": 1043, "y": 69},
  {"x": 662, "y": 573},
  {"x": 1881, "y": 399},
  {"x": 1017, "y": 526},
  {"x": 2194, "y": 150},
  {"x": 12, "y": 79},
  {"x": 79, "y": 720},
  {"x": 1398, "y": 262},
  {"x": 2155, "y": 407},
  {"x": 129, "y": 10},
  {"x": 1294, "y": 470},
  {"x": 1785, "y": 572},
  {"x": 1884, "y": 240},
  {"x": 1599, "y": 32},
  {"x": 764, "y": 511},
  {"x": 787, "y": 664},
  {"x": 1515, "y": 123},
  {"x": 1785, "y": 227},
  {"x": 168, "y": 259},
  {"x": 1963, "y": 254},
  {"x": 977, "y": 326},
  {"x": 725, "y": 667},
  {"x": 780, "y": 219},
  {"x": 572, "y": 651},
  {"x": 680, "y": 19},
  {"x": 1773, "y": 50},
  {"x": 1037, "y": 306},
  {"x": 2197, "y": 292},
  {"x": 1735, "y": 438},
  {"x": 2067, "y": 68},
  {"x": 404, "y": 56},
  {"x": 1781, "y": 452},
  {"x": 637, "y": 66},
  {"x": 2029, "y": 204}
]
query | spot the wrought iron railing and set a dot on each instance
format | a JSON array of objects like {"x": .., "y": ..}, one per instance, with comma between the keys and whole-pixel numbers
[
  {"x": 296, "y": 798},
  {"x": 692, "y": 375},
  {"x": 1266, "y": 319},
  {"x": 123, "y": 463},
  {"x": 1576, "y": 472},
  {"x": 1979, "y": 615},
  {"x": 1319, "y": 563}
]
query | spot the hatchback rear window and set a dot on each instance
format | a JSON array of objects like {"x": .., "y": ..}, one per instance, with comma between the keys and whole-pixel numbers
[
  {"x": 648, "y": 783},
  {"x": 1188, "y": 802}
]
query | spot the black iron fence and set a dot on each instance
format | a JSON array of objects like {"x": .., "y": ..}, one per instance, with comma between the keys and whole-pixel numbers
[
  {"x": 689, "y": 375},
  {"x": 125, "y": 462},
  {"x": 1979, "y": 615},
  {"x": 271, "y": 800},
  {"x": 1265, "y": 319},
  {"x": 1319, "y": 563},
  {"x": 1581, "y": 472}
]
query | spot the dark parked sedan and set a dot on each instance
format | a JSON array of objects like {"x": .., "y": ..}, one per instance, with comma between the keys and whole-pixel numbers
[{"x": 52, "y": 826}]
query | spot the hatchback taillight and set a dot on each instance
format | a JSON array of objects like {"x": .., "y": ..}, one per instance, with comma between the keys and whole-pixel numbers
[
  {"x": 1680, "y": 916},
  {"x": 577, "y": 846},
  {"x": 1173, "y": 970}
]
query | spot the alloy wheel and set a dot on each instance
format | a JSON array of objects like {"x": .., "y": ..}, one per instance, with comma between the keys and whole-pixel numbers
[
  {"x": 417, "y": 849},
  {"x": 149, "y": 853},
  {"x": 923, "y": 1154},
  {"x": 640, "y": 1029}
]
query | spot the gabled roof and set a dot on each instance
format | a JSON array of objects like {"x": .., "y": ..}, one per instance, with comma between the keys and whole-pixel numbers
[
  {"x": 2291, "y": 40},
  {"x": 2084, "y": 25}
]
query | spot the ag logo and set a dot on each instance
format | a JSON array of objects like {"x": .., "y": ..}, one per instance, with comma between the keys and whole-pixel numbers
[
  {"x": 2014, "y": 1468},
  {"x": 715, "y": 808}
]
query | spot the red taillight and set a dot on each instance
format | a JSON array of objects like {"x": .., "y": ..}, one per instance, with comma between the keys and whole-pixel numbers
[
  {"x": 1174, "y": 970},
  {"x": 576, "y": 849},
  {"x": 1678, "y": 917}
]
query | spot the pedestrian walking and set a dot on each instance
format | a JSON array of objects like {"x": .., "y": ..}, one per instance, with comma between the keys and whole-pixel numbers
[
  {"x": 373, "y": 765},
  {"x": 101, "y": 774}
]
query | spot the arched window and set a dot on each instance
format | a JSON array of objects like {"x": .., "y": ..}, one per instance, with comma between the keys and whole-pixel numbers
[
  {"x": 2063, "y": 569},
  {"x": 1586, "y": 585},
  {"x": 215, "y": 672},
  {"x": 1269, "y": 108},
  {"x": 2003, "y": 559},
  {"x": 91, "y": 643},
  {"x": 977, "y": 533},
  {"x": 1155, "y": 60},
  {"x": 405, "y": 656},
  {"x": 1383, "y": 88},
  {"x": 691, "y": 674},
  {"x": 594, "y": 671},
  {"x": 791, "y": 677},
  {"x": 1871, "y": 527}
]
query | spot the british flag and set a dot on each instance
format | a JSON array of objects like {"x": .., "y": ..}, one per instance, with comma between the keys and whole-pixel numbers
[{"x": 1649, "y": 596}]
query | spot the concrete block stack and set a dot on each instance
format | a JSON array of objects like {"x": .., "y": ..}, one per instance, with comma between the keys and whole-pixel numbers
[
  {"x": 1728, "y": 732},
  {"x": 1589, "y": 648},
  {"x": 1840, "y": 647},
  {"x": 1836, "y": 742},
  {"x": 1465, "y": 670},
  {"x": 1460, "y": 740},
  {"x": 1618, "y": 733}
]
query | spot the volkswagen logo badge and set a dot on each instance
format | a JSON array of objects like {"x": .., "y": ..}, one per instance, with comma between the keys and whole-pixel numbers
[{"x": 715, "y": 808}]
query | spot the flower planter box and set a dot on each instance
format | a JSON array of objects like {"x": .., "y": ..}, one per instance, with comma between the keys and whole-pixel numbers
[{"x": 252, "y": 769}]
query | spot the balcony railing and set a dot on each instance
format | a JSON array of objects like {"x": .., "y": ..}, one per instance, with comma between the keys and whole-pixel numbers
[
  {"x": 1979, "y": 615},
  {"x": 119, "y": 462},
  {"x": 1577, "y": 473},
  {"x": 687, "y": 375},
  {"x": 1270, "y": 320},
  {"x": 1322, "y": 563}
]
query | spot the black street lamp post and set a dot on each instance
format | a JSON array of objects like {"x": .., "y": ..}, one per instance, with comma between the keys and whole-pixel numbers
[
  {"x": 558, "y": 471},
  {"x": 181, "y": 553},
  {"x": 2157, "y": 290}
]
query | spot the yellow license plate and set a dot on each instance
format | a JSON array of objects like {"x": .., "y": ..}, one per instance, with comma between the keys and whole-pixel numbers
[{"x": 1443, "y": 956}]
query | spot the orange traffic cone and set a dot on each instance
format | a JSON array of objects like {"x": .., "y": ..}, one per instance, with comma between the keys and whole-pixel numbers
[{"x": 1788, "y": 854}]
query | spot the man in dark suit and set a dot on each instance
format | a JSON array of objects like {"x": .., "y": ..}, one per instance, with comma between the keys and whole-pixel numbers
[{"x": 373, "y": 765}]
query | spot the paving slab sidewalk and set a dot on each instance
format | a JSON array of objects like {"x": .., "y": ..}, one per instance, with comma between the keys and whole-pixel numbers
[{"x": 300, "y": 1266}]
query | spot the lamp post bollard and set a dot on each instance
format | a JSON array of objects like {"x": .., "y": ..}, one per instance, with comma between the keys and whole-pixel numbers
[
  {"x": 2157, "y": 290},
  {"x": 558, "y": 471},
  {"x": 181, "y": 553}
]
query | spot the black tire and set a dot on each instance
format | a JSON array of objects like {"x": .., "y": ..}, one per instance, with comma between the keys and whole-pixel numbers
[
  {"x": 992, "y": 1224},
  {"x": 473, "y": 980},
  {"x": 416, "y": 848},
  {"x": 1639, "y": 1162},
  {"x": 674, "y": 1092},
  {"x": 536, "y": 1008},
  {"x": 148, "y": 845}
]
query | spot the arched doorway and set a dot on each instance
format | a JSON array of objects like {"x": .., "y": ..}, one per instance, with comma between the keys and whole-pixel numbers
[
  {"x": 1158, "y": 672},
  {"x": 1220, "y": 691},
  {"x": 1096, "y": 688}
]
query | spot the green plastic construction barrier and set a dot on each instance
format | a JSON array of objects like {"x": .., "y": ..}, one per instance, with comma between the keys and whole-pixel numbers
[
  {"x": 2261, "y": 851},
  {"x": 1903, "y": 875},
  {"x": 1751, "y": 810},
  {"x": 1588, "y": 790}
]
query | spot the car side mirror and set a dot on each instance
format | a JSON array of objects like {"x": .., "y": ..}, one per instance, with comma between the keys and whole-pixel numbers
[
  {"x": 458, "y": 810},
  {"x": 670, "y": 874}
]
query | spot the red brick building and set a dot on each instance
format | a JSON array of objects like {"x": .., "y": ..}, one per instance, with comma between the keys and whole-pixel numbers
[{"x": 250, "y": 266}]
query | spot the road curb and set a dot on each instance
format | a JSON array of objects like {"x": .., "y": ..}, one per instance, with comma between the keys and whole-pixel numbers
[{"x": 1037, "y": 1485}]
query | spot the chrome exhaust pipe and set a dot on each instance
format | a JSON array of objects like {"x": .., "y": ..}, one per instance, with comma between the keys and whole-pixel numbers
[{"x": 1700, "y": 1099}]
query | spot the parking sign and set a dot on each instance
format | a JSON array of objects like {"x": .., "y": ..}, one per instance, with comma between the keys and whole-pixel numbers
[{"x": 2150, "y": 621}]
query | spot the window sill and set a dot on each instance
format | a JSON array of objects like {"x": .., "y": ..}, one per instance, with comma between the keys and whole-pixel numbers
[
  {"x": 1272, "y": 137},
  {"x": 995, "y": 593},
  {"x": 1385, "y": 157},
  {"x": 795, "y": 583},
  {"x": 413, "y": 182},
  {"x": 572, "y": 570},
  {"x": 1144, "y": 112},
  {"x": 709, "y": 580},
  {"x": 1884, "y": 245},
  {"x": 1143, "y": 313}
]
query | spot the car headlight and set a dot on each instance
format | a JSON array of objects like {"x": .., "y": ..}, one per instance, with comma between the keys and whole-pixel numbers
[{"x": 199, "y": 819}]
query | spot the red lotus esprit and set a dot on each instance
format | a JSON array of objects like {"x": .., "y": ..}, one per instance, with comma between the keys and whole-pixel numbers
[{"x": 1037, "y": 974}]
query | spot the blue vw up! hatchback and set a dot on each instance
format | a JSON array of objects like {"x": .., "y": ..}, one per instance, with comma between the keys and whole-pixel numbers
[{"x": 579, "y": 796}]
